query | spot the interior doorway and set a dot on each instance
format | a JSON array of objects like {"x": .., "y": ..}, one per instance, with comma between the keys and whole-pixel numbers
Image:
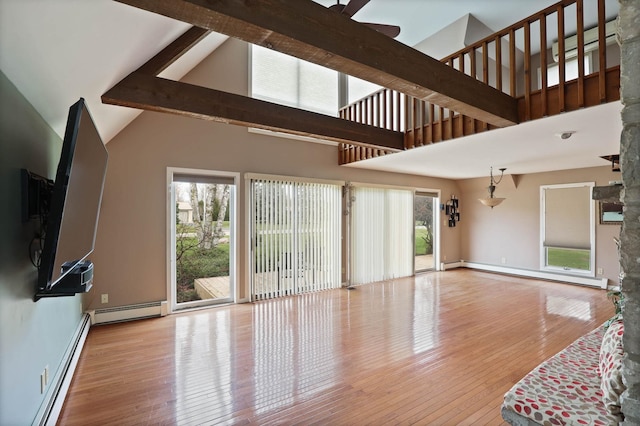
[
  {"x": 202, "y": 238},
  {"x": 424, "y": 214}
]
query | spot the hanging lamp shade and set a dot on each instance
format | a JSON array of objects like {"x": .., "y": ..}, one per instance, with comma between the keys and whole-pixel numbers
[{"x": 493, "y": 201}]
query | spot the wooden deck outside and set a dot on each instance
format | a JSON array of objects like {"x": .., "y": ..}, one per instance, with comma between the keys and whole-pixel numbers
[{"x": 438, "y": 349}]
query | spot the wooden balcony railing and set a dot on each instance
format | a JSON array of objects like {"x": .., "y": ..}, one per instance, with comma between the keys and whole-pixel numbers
[{"x": 576, "y": 73}]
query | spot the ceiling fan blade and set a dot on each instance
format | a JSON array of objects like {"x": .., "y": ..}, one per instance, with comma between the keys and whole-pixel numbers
[
  {"x": 388, "y": 30},
  {"x": 353, "y": 6}
]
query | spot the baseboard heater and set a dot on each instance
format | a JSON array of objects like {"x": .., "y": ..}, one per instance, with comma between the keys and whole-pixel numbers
[
  {"x": 587, "y": 281},
  {"x": 128, "y": 313},
  {"x": 55, "y": 396}
]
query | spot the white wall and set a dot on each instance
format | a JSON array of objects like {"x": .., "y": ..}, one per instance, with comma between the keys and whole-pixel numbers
[{"x": 512, "y": 229}]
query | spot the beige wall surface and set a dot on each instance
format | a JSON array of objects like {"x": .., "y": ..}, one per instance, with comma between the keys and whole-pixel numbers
[
  {"x": 512, "y": 229},
  {"x": 131, "y": 245}
]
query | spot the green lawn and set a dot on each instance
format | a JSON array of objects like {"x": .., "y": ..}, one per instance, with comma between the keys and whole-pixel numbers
[
  {"x": 569, "y": 258},
  {"x": 421, "y": 246}
]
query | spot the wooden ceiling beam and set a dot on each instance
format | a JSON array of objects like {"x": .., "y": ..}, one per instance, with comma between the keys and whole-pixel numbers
[
  {"x": 309, "y": 31},
  {"x": 173, "y": 51},
  {"x": 144, "y": 91}
]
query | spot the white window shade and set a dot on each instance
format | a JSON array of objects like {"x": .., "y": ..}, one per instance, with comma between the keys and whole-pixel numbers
[
  {"x": 567, "y": 217},
  {"x": 283, "y": 79}
]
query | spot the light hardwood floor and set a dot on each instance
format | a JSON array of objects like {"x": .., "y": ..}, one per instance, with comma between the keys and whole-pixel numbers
[{"x": 437, "y": 349}]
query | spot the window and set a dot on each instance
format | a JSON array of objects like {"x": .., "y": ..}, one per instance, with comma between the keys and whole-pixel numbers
[
  {"x": 286, "y": 80},
  {"x": 567, "y": 228},
  {"x": 295, "y": 234},
  {"x": 283, "y": 79},
  {"x": 570, "y": 71},
  {"x": 359, "y": 88}
]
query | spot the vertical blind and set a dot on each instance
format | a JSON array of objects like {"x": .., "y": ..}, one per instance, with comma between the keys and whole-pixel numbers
[
  {"x": 295, "y": 237},
  {"x": 381, "y": 234}
]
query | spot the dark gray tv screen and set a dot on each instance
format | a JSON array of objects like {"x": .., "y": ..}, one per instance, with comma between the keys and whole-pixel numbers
[{"x": 72, "y": 220}]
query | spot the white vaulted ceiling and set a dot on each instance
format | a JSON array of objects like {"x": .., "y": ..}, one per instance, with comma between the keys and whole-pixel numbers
[{"x": 55, "y": 51}]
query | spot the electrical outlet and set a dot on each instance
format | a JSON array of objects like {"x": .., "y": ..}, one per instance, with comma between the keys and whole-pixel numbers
[
  {"x": 444, "y": 257},
  {"x": 504, "y": 260},
  {"x": 104, "y": 298},
  {"x": 600, "y": 271}
]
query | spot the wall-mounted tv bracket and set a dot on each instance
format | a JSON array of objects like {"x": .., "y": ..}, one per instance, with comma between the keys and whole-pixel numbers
[
  {"x": 36, "y": 195},
  {"x": 36, "y": 199}
]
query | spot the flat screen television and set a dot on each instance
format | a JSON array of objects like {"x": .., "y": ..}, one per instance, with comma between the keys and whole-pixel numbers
[{"x": 72, "y": 219}]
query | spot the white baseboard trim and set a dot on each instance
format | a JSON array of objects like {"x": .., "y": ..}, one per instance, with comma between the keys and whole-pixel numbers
[
  {"x": 129, "y": 312},
  {"x": 586, "y": 281},
  {"x": 54, "y": 399}
]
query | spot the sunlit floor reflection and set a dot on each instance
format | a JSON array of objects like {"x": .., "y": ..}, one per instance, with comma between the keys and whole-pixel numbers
[{"x": 568, "y": 307}]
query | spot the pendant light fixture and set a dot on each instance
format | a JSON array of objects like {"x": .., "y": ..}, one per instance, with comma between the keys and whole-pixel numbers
[{"x": 493, "y": 201}]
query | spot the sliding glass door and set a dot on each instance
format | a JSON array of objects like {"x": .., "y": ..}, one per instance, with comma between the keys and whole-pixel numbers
[
  {"x": 295, "y": 237},
  {"x": 424, "y": 230},
  {"x": 381, "y": 234}
]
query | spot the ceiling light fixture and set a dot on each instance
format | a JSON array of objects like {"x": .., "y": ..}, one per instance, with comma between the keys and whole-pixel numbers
[
  {"x": 493, "y": 201},
  {"x": 565, "y": 135}
]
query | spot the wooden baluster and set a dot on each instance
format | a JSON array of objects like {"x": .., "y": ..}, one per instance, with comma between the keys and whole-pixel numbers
[
  {"x": 580, "y": 29},
  {"x": 432, "y": 113},
  {"x": 474, "y": 74},
  {"x": 561, "y": 59},
  {"x": 441, "y": 124},
  {"x": 414, "y": 120},
  {"x": 485, "y": 74},
  {"x": 365, "y": 111},
  {"x": 498, "y": 42},
  {"x": 461, "y": 63},
  {"x": 397, "y": 113},
  {"x": 543, "y": 64},
  {"x": 485, "y": 62},
  {"x": 527, "y": 70},
  {"x": 371, "y": 108},
  {"x": 377, "y": 114},
  {"x": 602, "y": 52},
  {"x": 473, "y": 62},
  {"x": 419, "y": 140},
  {"x": 385, "y": 116},
  {"x": 512, "y": 63}
]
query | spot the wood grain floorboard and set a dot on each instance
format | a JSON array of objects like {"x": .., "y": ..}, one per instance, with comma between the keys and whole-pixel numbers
[{"x": 437, "y": 349}]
